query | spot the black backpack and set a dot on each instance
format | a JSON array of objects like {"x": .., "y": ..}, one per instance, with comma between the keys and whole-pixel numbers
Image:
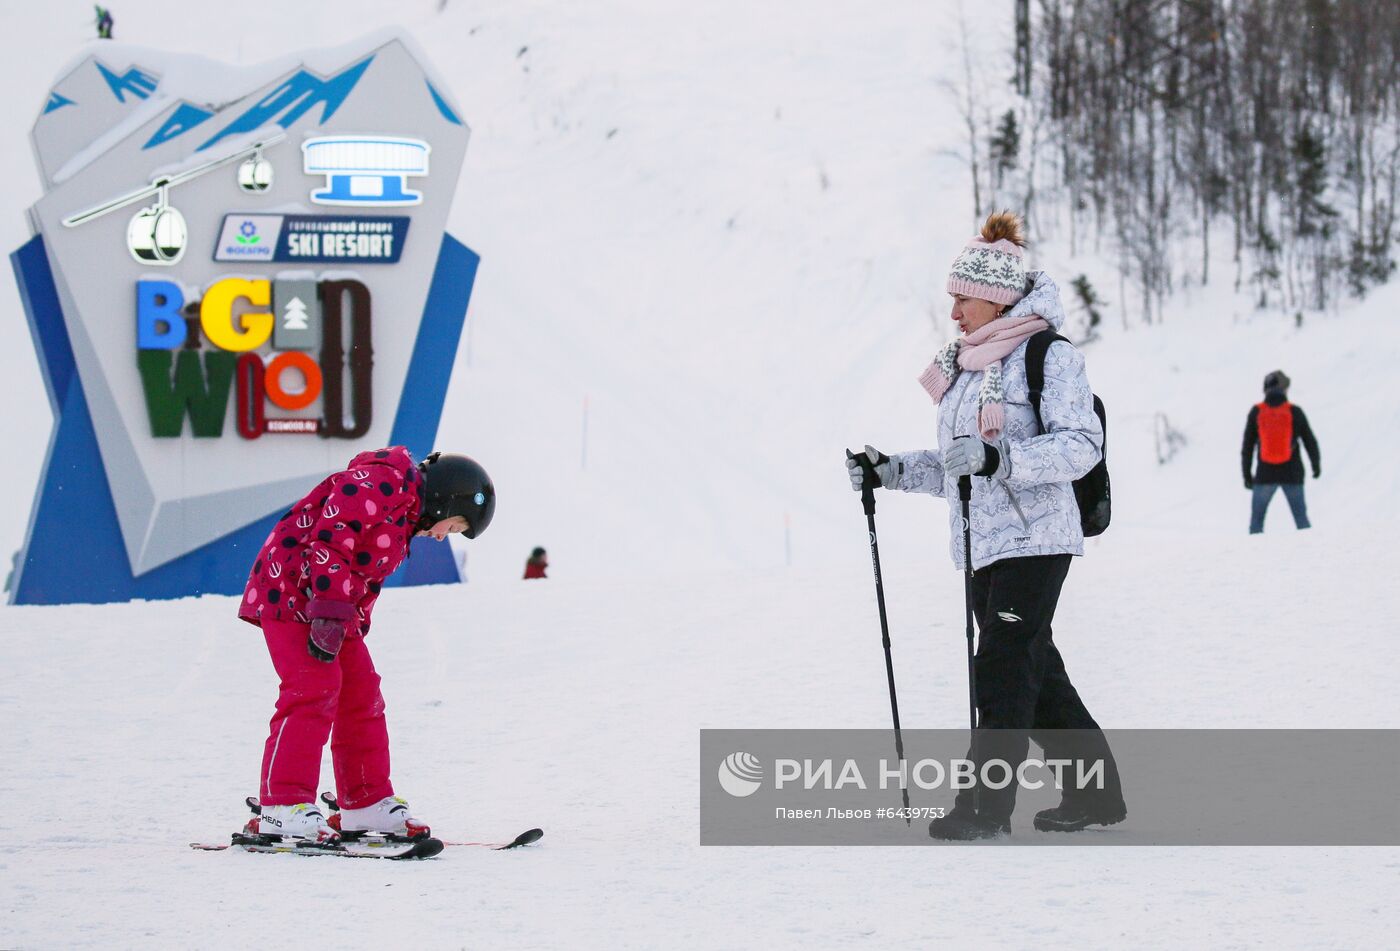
[{"x": 1091, "y": 491}]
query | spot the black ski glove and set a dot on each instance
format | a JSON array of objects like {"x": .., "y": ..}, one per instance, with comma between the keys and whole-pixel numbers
[
  {"x": 327, "y": 634},
  {"x": 1317, "y": 472},
  {"x": 1248, "y": 481}
]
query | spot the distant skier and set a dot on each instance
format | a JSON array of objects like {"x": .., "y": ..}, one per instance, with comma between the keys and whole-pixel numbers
[
  {"x": 536, "y": 564},
  {"x": 1025, "y": 522},
  {"x": 312, "y": 590},
  {"x": 1275, "y": 427},
  {"x": 104, "y": 22}
]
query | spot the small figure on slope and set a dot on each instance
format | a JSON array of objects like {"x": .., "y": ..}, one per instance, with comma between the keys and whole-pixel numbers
[
  {"x": 1274, "y": 428},
  {"x": 537, "y": 563},
  {"x": 312, "y": 590}
]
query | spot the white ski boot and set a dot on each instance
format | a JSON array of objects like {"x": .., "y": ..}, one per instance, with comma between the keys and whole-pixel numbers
[
  {"x": 302, "y": 821},
  {"x": 388, "y": 817}
]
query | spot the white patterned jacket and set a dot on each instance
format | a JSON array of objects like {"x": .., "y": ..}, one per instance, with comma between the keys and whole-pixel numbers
[{"x": 1027, "y": 506}]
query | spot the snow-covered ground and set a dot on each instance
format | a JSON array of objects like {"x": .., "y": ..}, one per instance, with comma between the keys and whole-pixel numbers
[
  {"x": 741, "y": 279},
  {"x": 576, "y": 706}
]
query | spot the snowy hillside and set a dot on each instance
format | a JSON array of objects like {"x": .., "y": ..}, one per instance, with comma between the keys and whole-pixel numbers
[
  {"x": 726, "y": 232},
  {"x": 716, "y": 227}
]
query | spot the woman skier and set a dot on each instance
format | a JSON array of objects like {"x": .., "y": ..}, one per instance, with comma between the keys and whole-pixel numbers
[
  {"x": 1025, "y": 522},
  {"x": 312, "y": 590}
]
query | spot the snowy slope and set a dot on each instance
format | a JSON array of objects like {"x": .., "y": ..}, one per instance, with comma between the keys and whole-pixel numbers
[
  {"x": 741, "y": 279},
  {"x": 576, "y": 706}
]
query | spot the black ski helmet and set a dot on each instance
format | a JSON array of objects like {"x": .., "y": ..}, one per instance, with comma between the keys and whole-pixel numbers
[{"x": 456, "y": 485}]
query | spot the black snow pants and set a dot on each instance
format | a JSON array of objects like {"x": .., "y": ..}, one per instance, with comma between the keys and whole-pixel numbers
[{"x": 1023, "y": 691}]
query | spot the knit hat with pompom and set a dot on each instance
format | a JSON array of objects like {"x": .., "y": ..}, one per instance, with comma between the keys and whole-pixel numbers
[{"x": 992, "y": 266}]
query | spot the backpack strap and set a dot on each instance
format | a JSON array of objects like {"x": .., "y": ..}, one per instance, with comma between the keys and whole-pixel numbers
[{"x": 1036, "y": 348}]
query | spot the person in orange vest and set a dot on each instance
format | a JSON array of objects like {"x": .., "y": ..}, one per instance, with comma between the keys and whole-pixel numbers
[
  {"x": 1275, "y": 428},
  {"x": 538, "y": 562}
]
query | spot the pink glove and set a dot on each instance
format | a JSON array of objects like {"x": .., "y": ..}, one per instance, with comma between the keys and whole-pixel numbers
[{"x": 327, "y": 634}]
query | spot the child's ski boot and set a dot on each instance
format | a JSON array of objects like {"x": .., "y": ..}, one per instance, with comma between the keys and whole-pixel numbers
[
  {"x": 388, "y": 818},
  {"x": 303, "y": 823}
]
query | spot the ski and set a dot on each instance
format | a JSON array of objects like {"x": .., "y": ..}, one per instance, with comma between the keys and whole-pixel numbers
[
  {"x": 359, "y": 849},
  {"x": 372, "y": 845},
  {"x": 528, "y": 837},
  {"x": 375, "y": 849}
]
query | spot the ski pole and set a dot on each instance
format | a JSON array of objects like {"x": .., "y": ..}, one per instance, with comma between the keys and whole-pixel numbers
[
  {"x": 867, "y": 501},
  {"x": 965, "y": 496}
]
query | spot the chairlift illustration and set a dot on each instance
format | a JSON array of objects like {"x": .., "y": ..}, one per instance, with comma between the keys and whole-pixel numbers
[
  {"x": 158, "y": 234},
  {"x": 255, "y": 174}
]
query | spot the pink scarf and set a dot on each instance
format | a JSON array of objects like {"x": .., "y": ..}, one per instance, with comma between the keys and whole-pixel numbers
[{"x": 983, "y": 349}]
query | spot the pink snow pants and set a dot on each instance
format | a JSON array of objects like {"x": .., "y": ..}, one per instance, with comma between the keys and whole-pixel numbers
[{"x": 340, "y": 701}]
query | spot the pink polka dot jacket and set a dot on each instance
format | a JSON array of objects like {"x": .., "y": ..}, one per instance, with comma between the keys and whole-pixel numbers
[{"x": 329, "y": 555}]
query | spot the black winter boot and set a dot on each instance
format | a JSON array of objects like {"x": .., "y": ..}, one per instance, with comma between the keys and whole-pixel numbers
[
  {"x": 966, "y": 825},
  {"x": 1071, "y": 816}
]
